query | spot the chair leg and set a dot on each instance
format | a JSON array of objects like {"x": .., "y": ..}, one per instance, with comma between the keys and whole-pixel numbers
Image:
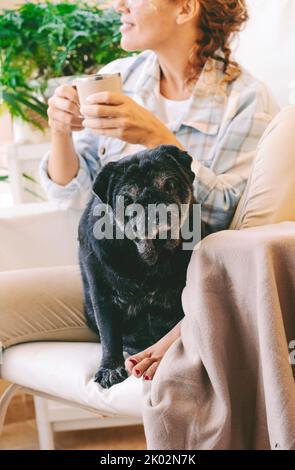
[
  {"x": 45, "y": 431},
  {"x": 5, "y": 401}
]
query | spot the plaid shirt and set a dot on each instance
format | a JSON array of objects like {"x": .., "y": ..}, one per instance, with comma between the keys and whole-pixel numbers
[{"x": 220, "y": 129}]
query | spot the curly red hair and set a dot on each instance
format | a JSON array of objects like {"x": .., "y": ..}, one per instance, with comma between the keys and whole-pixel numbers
[{"x": 218, "y": 21}]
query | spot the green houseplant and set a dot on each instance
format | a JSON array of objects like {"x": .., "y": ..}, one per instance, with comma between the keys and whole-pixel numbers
[
  {"x": 39, "y": 42},
  {"x": 45, "y": 40}
]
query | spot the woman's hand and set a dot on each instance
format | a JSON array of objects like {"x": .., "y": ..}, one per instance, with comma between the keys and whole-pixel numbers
[
  {"x": 116, "y": 115},
  {"x": 63, "y": 111},
  {"x": 145, "y": 363}
]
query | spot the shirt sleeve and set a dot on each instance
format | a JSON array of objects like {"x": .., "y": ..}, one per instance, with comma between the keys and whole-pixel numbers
[
  {"x": 219, "y": 188},
  {"x": 77, "y": 192}
]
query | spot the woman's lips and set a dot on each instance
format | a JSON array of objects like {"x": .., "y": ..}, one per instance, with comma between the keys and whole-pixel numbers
[{"x": 126, "y": 27}]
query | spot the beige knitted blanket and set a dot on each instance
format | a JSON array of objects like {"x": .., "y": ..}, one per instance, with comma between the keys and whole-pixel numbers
[{"x": 227, "y": 382}]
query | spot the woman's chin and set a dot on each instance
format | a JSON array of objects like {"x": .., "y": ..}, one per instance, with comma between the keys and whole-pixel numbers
[{"x": 129, "y": 46}]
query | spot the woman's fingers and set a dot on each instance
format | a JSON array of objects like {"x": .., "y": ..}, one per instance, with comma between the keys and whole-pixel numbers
[
  {"x": 150, "y": 372},
  {"x": 129, "y": 364},
  {"x": 62, "y": 116},
  {"x": 104, "y": 123},
  {"x": 64, "y": 110},
  {"x": 100, "y": 111},
  {"x": 132, "y": 361},
  {"x": 67, "y": 92},
  {"x": 107, "y": 97},
  {"x": 65, "y": 105},
  {"x": 142, "y": 366}
]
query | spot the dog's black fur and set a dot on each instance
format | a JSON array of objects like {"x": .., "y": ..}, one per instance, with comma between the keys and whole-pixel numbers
[{"x": 132, "y": 291}]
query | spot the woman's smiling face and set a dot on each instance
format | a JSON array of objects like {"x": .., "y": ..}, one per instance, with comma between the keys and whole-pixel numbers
[{"x": 146, "y": 24}]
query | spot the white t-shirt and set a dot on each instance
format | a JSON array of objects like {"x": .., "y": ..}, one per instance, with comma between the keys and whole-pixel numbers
[
  {"x": 171, "y": 110},
  {"x": 168, "y": 112}
]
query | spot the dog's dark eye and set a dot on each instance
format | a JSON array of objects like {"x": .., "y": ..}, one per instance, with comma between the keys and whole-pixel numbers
[{"x": 170, "y": 184}]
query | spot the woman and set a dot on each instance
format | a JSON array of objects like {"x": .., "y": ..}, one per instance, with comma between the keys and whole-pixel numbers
[{"x": 183, "y": 89}]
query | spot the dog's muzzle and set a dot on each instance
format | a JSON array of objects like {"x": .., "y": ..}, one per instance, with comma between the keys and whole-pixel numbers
[{"x": 151, "y": 234}]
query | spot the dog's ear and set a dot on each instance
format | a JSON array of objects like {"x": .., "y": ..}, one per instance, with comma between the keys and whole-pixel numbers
[
  {"x": 102, "y": 182},
  {"x": 182, "y": 159}
]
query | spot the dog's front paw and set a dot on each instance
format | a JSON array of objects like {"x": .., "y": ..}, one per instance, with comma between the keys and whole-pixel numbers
[{"x": 107, "y": 377}]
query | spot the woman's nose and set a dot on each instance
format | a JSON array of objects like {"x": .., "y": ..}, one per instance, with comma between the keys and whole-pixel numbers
[{"x": 120, "y": 5}]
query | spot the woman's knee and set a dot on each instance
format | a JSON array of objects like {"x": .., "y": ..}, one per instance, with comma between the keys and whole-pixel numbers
[{"x": 39, "y": 301}]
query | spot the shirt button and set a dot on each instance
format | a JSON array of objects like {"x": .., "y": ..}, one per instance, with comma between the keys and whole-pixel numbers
[{"x": 102, "y": 150}]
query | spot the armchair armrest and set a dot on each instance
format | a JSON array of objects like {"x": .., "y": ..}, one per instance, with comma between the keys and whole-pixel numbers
[{"x": 38, "y": 235}]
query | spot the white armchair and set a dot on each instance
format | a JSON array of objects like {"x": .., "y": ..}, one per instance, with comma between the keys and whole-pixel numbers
[{"x": 29, "y": 241}]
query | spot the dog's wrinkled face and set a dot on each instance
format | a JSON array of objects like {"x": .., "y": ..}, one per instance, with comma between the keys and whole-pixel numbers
[{"x": 154, "y": 188}]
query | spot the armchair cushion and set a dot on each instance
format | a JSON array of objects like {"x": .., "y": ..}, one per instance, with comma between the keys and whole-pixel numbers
[{"x": 65, "y": 370}]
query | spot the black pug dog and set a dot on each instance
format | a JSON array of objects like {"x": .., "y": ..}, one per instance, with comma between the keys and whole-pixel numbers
[{"x": 132, "y": 287}]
